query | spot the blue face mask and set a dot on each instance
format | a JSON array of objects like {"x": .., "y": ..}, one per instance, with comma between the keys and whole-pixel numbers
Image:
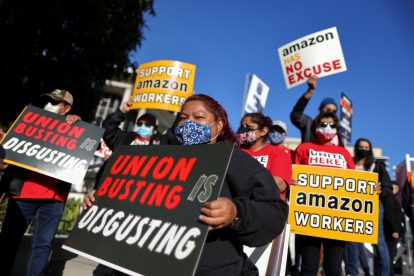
[
  {"x": 144, "y": 131},
  {"x": 192, "y": 133},
  {"x": 276, "y": 138}
]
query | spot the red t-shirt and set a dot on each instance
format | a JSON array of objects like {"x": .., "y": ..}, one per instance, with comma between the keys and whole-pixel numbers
[
  {"x": 39, "y": 186},
  {"x": 323, "y": 155},
  {"x": 276, "y": 159}
]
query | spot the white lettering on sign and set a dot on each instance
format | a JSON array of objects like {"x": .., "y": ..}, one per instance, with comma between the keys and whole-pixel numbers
[{"x": 321, "y": 158}]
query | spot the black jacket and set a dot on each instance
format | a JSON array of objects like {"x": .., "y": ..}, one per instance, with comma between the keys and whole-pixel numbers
[
  {"x": 384, "y": 179},
  {"x": 262, "y": 216},
  {"x": 114, "y": 136},
  {"x": 393, "y": 216},
  {"x": 303, "y": 122}
]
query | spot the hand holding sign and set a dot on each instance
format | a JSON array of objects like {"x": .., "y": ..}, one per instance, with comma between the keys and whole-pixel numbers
[
  {"x": 218, "y": 213},
  {"x": 88, "y": 200},
  {"x": 71, "y": 119},
  {"x": 126, "y": 106},
  {"x": 312, "y": 82}
]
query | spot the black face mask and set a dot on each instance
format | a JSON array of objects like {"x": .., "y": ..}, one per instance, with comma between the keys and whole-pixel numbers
[
  {"x": 362, "y": 153},
  {"x": 247, "y": 137}
]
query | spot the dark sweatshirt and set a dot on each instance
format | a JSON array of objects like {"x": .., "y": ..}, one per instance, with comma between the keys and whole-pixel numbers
[{"x": 262, "y": 217}]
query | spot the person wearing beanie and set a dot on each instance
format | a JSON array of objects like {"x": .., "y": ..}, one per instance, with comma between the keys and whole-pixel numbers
[
  {"x": 328, "y": 105},
  {"x": 302, "y": 121}
]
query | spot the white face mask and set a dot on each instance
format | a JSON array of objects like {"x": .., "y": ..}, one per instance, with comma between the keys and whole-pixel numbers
[{"x": 52, "y": 108}]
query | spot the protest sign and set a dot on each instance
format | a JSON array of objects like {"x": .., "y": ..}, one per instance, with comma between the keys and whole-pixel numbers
[
  {"x": 319, "y": 54},
  {"x": 43, "y": 142},
  {"x": 345, "y": 122},
  {"x": 256, "y": 96},
  {"x": 163, "y": 84},
  {"x": 145, "y": 220},
  {"x": 334, "y": 203}
]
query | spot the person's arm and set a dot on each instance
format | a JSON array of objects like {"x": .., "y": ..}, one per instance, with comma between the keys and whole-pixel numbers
[
  {"x": 72, "y": 118},
  {"x": 393, "y": 216},
  {"x": 281, "y": 184},
  {"x": 384, "y": 179},
  {"x": 113, "y": 134},
  {"x": 350, "y": 164},
  {"x": 297, "y": 116},
  {"x": 255, "y": 214},
  {"x": 262, "y": 216},
  {"x": 281, "y": 168}
]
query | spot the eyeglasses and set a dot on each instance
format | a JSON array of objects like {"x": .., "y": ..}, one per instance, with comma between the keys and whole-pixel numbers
[
  {"x": 325, "y": 124},
  {"x": 144, "y": 124}
]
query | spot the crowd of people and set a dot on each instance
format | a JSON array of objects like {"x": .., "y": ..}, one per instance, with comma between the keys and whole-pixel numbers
[{"x": 252, "y": 208}]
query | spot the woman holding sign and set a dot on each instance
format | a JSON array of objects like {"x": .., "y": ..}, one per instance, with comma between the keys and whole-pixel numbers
[
  {"x": 365, "y": 161},
  {"x": 249, "y": 210},
  {"x": 325, "y": 153}
]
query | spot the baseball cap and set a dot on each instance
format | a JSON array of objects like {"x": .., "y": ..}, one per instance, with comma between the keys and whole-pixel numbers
[
  {"x": 60, "y": 95},
  {"x": 280, "y": 124},
  {"x": 150, "y": 118}
]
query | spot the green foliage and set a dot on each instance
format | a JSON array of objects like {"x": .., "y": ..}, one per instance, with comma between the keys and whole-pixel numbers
[
  {"x": 66, "y": 44},
  {"x": 70, "y": 215},
  {"x": 3, "y": 208}
]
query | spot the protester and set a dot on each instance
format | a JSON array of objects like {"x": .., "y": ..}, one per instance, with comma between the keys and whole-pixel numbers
[
  {"x": 407, "y": 200},
  {"x": 32, "y": 194},
  {"x": 365, "y": 160},
  {"x": 324, "y": 128},
  {"x": 303, "y": 122},
  {"x": 393, "y": 222},
  {"x": 355, "y": 252},
  {"x": 253, "y": 134},
  {"x": 276, "y": 137},
  {"x": 277, "y": 133},
  {"x": 249, "y": 210},
  {"x": 145, "y": 130}
]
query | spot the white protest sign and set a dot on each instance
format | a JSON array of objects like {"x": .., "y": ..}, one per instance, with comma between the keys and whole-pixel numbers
[
  {"x": 256, "y": 96},
  {"x": 319, "y": 54}
]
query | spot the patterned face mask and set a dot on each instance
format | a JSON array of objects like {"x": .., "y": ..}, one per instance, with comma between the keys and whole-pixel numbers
[
  {"x": 276, "y": 137},
  {"x": 325, "y": 134},
  {"x": 247, "y": 137},
  {"x": 144, "y": 131},
  {"x": 192, "y": 133}
]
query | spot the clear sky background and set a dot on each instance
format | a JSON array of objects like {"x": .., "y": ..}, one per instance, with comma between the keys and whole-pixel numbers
[{"x": 228, "y": 39}]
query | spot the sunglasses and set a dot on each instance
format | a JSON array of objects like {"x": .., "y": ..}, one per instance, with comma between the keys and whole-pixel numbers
[
  {"x": 144, "y": 124},
  {"x": 325, "y": 124}
]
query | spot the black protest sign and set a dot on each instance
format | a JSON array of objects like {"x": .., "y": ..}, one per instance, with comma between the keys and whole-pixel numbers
[
  {"x": 345, "y": 122},
  {"x": 43, "y": 142},
  {"x": 145, "y": 218}
]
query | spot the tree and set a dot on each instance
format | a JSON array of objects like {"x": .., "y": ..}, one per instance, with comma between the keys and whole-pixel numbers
[{"x": 66, "y": 44}]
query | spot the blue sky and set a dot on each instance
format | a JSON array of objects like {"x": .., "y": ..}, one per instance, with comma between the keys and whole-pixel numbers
[{"x": 228, "y": 39}]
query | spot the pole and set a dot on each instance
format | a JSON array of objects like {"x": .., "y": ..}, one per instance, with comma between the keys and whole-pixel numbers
[
  {"x": 278, "y": 254},
  {"x": 246, "y": 83}
]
